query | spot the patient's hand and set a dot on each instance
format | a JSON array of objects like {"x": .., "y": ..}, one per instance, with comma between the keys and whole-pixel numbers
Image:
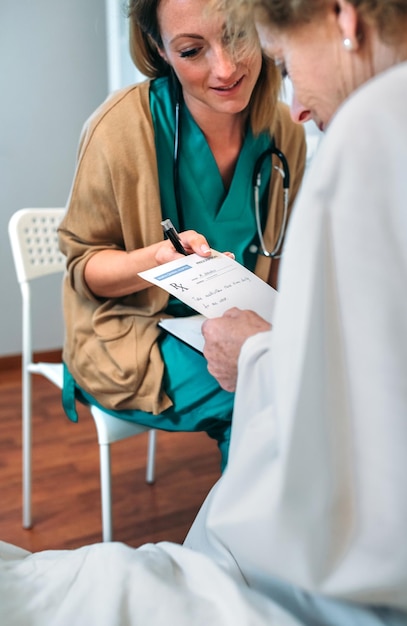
[{"x": 224, "y": 337}]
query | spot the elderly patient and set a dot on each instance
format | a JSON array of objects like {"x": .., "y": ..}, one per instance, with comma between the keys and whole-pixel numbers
[{"x": 310, "y": 515}]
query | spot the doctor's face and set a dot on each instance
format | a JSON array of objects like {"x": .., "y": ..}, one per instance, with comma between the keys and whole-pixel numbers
[
  {"x": 312, "y": 56},
  {"x": 194, "y": 45}
]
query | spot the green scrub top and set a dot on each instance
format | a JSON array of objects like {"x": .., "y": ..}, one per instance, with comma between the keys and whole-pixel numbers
[{"x": 225, "y": 217}]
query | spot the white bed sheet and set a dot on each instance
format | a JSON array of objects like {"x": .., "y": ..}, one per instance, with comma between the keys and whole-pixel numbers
[{"x": 111, "y": 584}]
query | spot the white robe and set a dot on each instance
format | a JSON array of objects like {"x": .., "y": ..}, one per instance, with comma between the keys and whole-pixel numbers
[{"x": 315, "y": 492}]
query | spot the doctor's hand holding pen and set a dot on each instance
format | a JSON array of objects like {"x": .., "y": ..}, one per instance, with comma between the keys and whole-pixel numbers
[
  {"x": 189, "y": 245},
  {"x": 113, "y": 273}
]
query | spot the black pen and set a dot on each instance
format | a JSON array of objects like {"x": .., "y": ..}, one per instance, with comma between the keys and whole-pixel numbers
[{"x": 171, "y": 233}]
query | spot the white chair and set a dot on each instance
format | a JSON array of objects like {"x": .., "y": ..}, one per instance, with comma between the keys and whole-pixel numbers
[{"x": 34, "y": 243}]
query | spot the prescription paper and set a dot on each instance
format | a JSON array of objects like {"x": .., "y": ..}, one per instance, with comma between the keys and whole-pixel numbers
[{"x": 212, "y": 285}]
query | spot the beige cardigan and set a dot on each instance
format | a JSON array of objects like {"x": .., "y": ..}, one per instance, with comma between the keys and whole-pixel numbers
[{"x": 110, "y": 344}]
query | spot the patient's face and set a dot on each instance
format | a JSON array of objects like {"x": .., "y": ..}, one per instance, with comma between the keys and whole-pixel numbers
[{"x": 314, "y": 59}]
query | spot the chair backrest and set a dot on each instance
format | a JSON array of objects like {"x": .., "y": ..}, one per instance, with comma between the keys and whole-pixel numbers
[{"x": 34, "y": 242}]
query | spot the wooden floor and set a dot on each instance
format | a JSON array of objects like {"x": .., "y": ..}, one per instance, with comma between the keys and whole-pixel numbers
[{"x": 66, "y": 488}]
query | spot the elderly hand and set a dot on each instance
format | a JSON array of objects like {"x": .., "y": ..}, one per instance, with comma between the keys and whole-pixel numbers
[{"x": 224, "y": 337}]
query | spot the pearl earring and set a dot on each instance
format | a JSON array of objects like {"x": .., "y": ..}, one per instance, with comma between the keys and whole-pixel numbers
[{"x": 347, "y": 44}]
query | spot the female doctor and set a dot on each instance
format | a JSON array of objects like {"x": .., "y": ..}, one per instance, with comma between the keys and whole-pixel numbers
[{"x": 183, "y": 146}]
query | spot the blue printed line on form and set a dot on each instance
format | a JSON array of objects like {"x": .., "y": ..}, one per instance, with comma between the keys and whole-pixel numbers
[{"x": 173, "y": 272}]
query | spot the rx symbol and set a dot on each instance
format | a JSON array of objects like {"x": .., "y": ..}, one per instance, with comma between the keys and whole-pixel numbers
[{"x": 179, "y": 286}]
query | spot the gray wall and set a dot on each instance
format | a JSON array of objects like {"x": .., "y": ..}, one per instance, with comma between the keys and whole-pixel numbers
[{"x": 53, "y": 73}]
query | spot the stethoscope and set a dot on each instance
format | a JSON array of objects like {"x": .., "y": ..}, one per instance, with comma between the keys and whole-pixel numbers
[{"x": 283, "y": 170}]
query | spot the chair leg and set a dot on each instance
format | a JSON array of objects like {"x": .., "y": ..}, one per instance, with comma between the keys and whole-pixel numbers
[
  {"x": 106, "y": 492},
  {"x": 150, "y": 471},
  {"x": 26, "y": 449}
]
